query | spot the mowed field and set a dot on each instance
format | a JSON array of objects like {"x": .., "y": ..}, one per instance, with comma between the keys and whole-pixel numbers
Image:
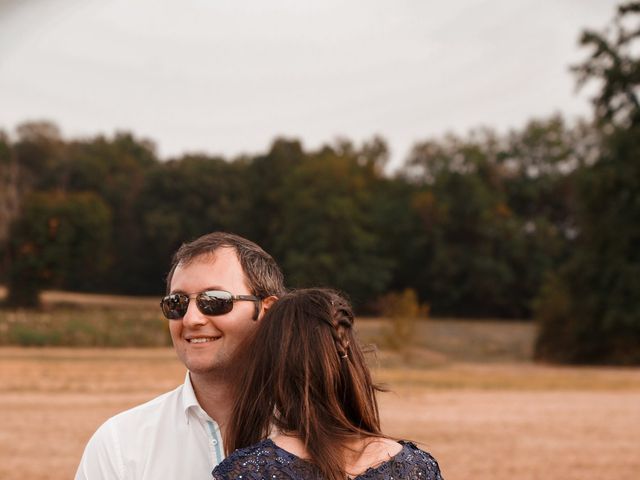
[{"x": 466, "y": 392}]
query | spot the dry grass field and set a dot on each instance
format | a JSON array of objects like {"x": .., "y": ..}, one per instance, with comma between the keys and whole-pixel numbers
[
  {"x": 491, "y": 421},
  {"x": 466, "y": 392}
]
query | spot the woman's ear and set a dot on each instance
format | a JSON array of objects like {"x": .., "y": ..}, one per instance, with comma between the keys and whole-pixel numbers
[{"x": 266, "y": 304}]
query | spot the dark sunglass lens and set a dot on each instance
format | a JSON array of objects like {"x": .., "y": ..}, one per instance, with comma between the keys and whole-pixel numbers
[
  {"x": 175, "y": 306},
  {"x": 215, "y": 302}
]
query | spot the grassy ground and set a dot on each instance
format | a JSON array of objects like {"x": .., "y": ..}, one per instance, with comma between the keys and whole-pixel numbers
[
  {"x": 71, "y": 319},
  {"x": 465, "y": 390}
]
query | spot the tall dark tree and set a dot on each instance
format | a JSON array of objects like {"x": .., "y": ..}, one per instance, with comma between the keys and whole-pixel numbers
[
  {"x": 9, "y": 188},
  {"x": 115, "y": 169},
  {"x": 9, "y": 198},
  {"x": 58, "y": 241},
  {"x": 41, "y": 155},
  {"x": 589, "y": 311},
  {"x": 265, "y": 177},
  {"x": 183, "y": 199},
  {"x": 469, "y": 244},
  {"x": 328, "y": 232}
]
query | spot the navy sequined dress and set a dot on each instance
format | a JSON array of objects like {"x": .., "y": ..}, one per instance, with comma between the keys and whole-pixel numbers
[{"x": 266, "y": 461}]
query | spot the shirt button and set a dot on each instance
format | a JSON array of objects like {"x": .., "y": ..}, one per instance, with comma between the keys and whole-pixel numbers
[{"x": 214, "y": 441}]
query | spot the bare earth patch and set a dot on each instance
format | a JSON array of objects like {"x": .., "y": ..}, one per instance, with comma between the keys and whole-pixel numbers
[{"x": 491, "y": 421}]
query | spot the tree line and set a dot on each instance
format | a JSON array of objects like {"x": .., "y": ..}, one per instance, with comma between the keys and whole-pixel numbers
[
  {"x": 460, "y": 223},
  {"x": 540, "y": 221}
]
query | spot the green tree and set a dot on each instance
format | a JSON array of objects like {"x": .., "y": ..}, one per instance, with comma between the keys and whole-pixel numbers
[
  {"x": 183, "y": 199},
  {"x": 265, "y": 177},
  {"x": 31, "y": 163},
  {"x": 40, "y": 154},
  {"x": 471, "y": 241},
  {"x": 328, "y": 231},
  {"x": 492, "y": 215},
  {"x": 541, "y": 163},
  {"x": 8, "y": 186},
  {"x": 115, "y": 169},
  {"x": 589, "y": 311},
  {"x": 9, "y": 197},
  {"x": 56, "y": 242}
]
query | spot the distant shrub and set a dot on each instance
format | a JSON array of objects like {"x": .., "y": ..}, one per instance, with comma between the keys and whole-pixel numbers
[
  {"x": 402, "y": 309},
  {"x": 555, "y": 323}
]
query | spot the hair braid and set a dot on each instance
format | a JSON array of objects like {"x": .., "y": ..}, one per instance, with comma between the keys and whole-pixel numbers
[{"x": 342, "y": 321}]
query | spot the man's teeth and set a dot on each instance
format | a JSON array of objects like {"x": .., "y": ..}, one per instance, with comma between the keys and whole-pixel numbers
[{"x": 201, "y": 340}]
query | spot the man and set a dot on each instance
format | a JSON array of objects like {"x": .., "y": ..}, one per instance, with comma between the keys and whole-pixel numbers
[{"x": 218, "y": 288}]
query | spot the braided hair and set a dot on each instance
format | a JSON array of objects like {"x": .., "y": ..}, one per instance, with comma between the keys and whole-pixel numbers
[{"x": 341, "y": 320}]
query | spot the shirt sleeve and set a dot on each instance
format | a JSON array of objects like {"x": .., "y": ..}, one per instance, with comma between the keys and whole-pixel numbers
[{"x": 102, "y": 457}]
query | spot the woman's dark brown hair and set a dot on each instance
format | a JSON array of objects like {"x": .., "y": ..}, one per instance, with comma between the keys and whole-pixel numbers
[{"x": 304, "y": 374}]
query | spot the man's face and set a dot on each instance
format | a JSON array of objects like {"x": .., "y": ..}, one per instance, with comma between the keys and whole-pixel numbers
[{"x": 221, "y": 334}]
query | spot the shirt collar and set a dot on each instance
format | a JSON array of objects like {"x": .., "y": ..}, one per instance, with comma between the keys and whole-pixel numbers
[{"x": 189, "y": 400}]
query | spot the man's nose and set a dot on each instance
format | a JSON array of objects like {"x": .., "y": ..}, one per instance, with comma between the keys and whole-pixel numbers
[{"x": 193, "y": 316}]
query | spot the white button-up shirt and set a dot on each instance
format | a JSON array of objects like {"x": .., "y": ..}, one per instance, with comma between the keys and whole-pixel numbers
[{"x": 169, "y": 437}]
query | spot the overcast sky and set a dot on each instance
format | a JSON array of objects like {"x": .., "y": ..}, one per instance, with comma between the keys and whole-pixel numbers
[{"x": 227, "y": 77}]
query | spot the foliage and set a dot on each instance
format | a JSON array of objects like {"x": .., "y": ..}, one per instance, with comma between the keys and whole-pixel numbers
[
  {"x": 485, "y": 206},
  {"x": 613, "y": 65},
  {"x": 403, "y": 311},
  {"x": 115, "y": 169},
  {"x": 58, "y": 241},
  {"x": 471, "y": 223},
  {"x": 181, "y": 200},
  {"x": 327, "y": 235},
  {"x": 590, "y": 311}
]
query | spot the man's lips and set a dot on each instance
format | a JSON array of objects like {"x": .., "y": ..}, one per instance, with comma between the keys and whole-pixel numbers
[{"x": 202, "y": 339}]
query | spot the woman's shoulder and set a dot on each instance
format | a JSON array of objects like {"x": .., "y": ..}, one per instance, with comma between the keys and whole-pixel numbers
[
  {"x": 244, "y": 461},
  {"x": 411, "y": 463},
  {"x": 261, "y": 459},
  {"x": 420, "y": 460}
]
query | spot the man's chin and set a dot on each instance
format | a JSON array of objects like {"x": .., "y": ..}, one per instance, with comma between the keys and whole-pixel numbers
[
  {"x": 204, "y": 369},
  {"x": 210, "y": 369}
]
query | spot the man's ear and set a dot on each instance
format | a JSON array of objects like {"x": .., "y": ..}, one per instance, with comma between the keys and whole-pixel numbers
[{"x": 266, "y": 304}]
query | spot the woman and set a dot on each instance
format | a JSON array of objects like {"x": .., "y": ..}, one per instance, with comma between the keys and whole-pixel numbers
[{"x": 307, "y": 406}]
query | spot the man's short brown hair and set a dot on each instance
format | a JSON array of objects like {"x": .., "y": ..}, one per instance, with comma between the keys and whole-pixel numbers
[{"x": 264, "y": 277}]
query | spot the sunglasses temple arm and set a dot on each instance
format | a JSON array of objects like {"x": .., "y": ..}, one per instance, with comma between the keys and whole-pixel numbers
[{"x": 256, "y": 312}]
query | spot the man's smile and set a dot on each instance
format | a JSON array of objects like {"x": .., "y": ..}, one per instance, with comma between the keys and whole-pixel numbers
[{"x": 202, "y": 339}]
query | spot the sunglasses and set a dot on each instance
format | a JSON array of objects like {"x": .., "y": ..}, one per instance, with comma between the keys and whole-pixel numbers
[{"x": 209, "y": 302}]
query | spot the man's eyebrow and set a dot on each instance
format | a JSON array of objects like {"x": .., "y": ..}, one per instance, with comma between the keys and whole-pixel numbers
[{"x": 206, "y": 289}]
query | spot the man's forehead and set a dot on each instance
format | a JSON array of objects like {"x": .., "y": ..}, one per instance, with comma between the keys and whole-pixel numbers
[
  {"x": 225, "y": 257},
  {"x": 220, "y": 253}
]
